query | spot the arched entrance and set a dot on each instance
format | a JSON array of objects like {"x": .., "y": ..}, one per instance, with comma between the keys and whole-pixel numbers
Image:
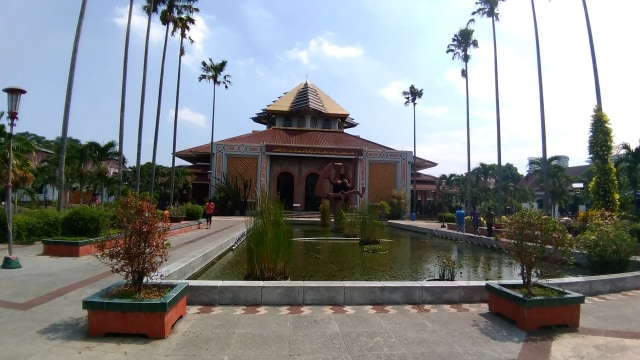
[
  {"x": 284, "y": 184},
  {"x": 311, "y": 201}
]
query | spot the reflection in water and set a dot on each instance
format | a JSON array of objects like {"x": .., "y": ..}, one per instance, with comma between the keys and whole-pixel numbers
[{"x": 410, "y": 257}]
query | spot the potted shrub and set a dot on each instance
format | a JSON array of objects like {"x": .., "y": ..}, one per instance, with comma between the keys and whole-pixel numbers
[
  {"x": 177, "y": 214},
  {"x": 535, "y": 239},
  {"x": 136, "y": 306}
]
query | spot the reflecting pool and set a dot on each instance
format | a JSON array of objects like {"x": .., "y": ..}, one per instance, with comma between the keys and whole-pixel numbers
[{"x": 319, "y": 254}]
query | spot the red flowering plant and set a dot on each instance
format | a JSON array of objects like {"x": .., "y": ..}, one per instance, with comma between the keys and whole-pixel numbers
[
  {"x": 536, "y": 239},
  {"x": 142, "y": 249}
]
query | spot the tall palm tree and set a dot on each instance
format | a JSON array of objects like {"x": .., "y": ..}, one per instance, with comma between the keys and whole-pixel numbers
[
  {"x": 100, "y": 156},
  {"x": 151, "y": 7},
  {"x": 67, "y": 101},
  {"x": 461, "y": 43},
  {"x": 593, "y": 55},
  {"x": 172, "y": 9},
  {"x": 123, "y": 95},
  {"x": 410, "y": 97},
  {"x": 489, "y": 9},
  {"x": 545, "y": 163},
  {"x": 181, "y": 24},
  {"x": 213, "y": 72}
]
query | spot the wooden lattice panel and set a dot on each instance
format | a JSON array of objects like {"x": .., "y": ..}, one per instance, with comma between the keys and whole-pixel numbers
[
  {"x": 382, "y": 180},
  {"x": 245, "y": 167}
]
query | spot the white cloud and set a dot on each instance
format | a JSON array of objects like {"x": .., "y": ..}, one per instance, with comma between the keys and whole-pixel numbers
[
  {"x": 439, "y": 112},
  {"x": 393, "y": 92},
  {"x": 139, "y": 23},
  {"x": 189, "y": 116},
  {"x": 322, "y": 46}
]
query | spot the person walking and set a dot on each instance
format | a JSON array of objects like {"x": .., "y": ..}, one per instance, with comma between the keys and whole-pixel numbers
[
  {"x": 208, "y": 211},
  {"x": 490, "y": 218},
  {"x": 475, "y": 220},
  {"x": 460, "y": 214}
]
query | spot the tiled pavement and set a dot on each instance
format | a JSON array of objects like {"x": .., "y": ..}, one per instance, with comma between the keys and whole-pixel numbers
[{"x": 41, "y": 317}]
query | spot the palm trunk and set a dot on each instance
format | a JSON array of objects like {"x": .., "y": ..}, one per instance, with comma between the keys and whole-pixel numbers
[
  {"x": 175, "y": 125},
  {"x": 123, "y": 100},
  {"x": 545, "y": 166},
  {"x": 158, "y": 108},
  {"x": 67, "y": 102},
  {"x": 413, "y": 168},
  {"x": 495, "y": 69},
  {"x": 466, "y": 83},
  {"x": 142, "y": 95},
  {"x": 211, "y": 152},
  {"x": 593, "y": 55}
]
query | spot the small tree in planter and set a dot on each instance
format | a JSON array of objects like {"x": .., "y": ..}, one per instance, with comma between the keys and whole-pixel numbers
[
  {"x": 144, "y": 246},
  {"x": 135, "y": 306},
  {"x": 535, "y": 239}
]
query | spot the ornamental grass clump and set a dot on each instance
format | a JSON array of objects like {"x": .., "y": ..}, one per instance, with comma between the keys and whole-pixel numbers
[
  {"x": 144, "y": 246},
  {"x": 535, "y": 240},
  {"x": 268, "y": 242}
]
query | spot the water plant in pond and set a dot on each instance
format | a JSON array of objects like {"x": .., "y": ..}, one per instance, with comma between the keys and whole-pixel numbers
[
  {"x": 536, "y": 239},
  {"x": 268, "y": 242},
  {"x": 446, "y": 267},
  {"x": 363, "y": 223},
  {"x": 325, "y": 214},
  {"x": 374, "y": 249}
]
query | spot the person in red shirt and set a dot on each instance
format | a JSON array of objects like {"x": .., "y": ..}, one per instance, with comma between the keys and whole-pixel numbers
[{"x": 208, "y": 211}]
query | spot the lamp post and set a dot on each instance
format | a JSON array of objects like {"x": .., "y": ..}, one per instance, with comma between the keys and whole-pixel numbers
[
  {"x": 512, "y": 203},
  {"x": 210, "y": 176},
  {"x": 13, "y": 103},
  {"x": 442, "y": 185},
  {"x": 576, "y": 189}
]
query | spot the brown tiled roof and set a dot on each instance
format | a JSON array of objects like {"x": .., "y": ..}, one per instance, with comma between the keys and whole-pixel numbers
[{"x": 300, "y": 137}]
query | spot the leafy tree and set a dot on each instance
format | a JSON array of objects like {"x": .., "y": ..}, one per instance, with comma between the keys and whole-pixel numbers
[
  {"x": 411, "y": 96},
  {"x": 558, "y": 181},
  {"x": 604, "y": 186},
  {"x": 628, "y": 165},
  {"x": 461, "y": 43}
]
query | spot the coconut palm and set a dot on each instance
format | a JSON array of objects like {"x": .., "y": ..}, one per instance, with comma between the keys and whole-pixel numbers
[
  {"x": 21, "y": 166},
  {"x": 123, "y": 95},
  {"x": 545, "y": 163},
  {"x": 461, "y": 43},
  {"x": 67, "y": 101},
  {"x": 629, "y": 164},
  {"x": 172, "y": 8},
  {"x": 150, "y": 8},
  {"x": 489, "y": 9},
  {"x": 181, "y": 25},
  {"x": 410, "y": 97},
  {"x": 213, "y": 72},
  {"x": 100, "y": 156}
]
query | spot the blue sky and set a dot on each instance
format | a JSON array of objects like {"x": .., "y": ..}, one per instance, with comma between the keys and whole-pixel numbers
[{"x": 361, "y": 53}]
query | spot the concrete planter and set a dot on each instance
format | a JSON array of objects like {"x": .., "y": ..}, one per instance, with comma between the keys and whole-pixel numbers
[
  {"x": 68, "y": 248},
  {"x": 153, "y": 318},
  {"x": 530, "y": 314}
]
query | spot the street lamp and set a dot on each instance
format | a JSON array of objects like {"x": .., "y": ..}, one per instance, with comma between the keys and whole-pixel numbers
[
  {"x": 576, "y": 189},
  {"x": 210, "y": 176},
  {"x": 512, "y": 207},
  {"x": 13, "y": 96},
  {"x": 442, "y": 185}
]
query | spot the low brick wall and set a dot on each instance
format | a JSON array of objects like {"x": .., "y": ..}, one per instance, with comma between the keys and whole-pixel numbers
[{"x": 66, "y": 248}]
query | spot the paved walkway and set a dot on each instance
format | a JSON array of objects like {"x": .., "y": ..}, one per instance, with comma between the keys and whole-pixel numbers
[{"x": 41, "y": 317}]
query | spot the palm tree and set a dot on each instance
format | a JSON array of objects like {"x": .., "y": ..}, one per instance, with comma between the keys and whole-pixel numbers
[
  {"x": 21, "y": 166},
  {"x": 123, "y": 95},
  {"x": 593, "y": 55},
  {"x": 545, "y": 163},
  {"x": 629, "y": 163},
  {"x": 150, "y": 8},
  {"x": 172, "y": 9},
  {"x": 67, "y": 101},
  {"x": 410, "y": 97},
  {"x": 489, "y": 9},
  {"x": 100, "y": 155},
  {"x": 558, "y": 181},
  {"x": 180, "y": 24},
  {"x": 461, "y": 43},
  {"x": 213, "y": 72}
]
